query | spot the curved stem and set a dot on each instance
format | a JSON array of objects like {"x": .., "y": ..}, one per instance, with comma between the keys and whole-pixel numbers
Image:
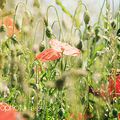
[
  {"x": 16, "y": 12},
  {"x": 77, "y": 29},
  {"x": 75, "y": 14},
  {"x": 53, "y": 26},
  {"x": 37, "y": 27},
  {"x": 51, "y": 6},
  {"x": 53, "y": 23},
  {"x": 101, "y": 11},
  {"x": 26, "y": 2},
  {"x": 113, "y": 8}
]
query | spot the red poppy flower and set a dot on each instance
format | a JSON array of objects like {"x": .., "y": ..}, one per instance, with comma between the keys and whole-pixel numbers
[
  {"x": 118, "y": 116},
  {"x": 114, "y": 86},
  {"x": 48, "y": 55},
  {"x": 65, "y": 48},
  {"x": 7, "y": 112},
  {"x": 8, "y": 22}
]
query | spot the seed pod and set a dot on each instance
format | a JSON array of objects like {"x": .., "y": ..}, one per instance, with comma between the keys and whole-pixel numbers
[
  {"x": 48, "y": 32},
  {"x": 3, "y": 28},
  {"x": 113, "y": 24},
  {"x": 86, "y": 17},
  {"x": 79, "y": 46}
]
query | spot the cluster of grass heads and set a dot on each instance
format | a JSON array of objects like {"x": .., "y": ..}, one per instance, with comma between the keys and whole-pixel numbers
[{"x": 56, "y": 90}]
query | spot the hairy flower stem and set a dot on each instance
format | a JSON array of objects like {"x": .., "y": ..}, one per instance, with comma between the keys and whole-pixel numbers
[
  {"x": 37, "y": 25},
  {"x": 101, "y": 11},
  {"x": 52, "y": 6}
]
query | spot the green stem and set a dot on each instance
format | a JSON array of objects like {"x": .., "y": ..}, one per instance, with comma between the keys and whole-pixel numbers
[
  {"x": 101, "y": 11},
  {"x": 75, "y": 15},
  {"x": 16, "y": 8},
  {"x": 36, "y": 29}
]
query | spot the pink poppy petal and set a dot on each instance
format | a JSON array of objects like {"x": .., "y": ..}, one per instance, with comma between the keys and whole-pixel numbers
[{"x": 64, "y": 47}]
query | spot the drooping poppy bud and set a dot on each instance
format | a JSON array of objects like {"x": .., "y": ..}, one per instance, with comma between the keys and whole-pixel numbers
[
  {"x": 41, "y": 47},
  {"x": 86, "y": 17},
  {"x": 61, "y": 112},
  {"x": 115, "y": 113},
  {"x": 49, "y": 32},
  {"x": 79, "y": 45},
  {"x": 113, "y": 24},
  {"x": 3, "y": 28},
  {"x": 14, "y": 39}
]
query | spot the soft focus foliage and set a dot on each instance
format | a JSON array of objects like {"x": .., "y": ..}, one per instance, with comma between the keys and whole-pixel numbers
[{"x": 59, "y": 62}]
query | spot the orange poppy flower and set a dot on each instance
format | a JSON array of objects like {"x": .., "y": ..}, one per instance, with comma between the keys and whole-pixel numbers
[
  {"x": 8, "y": 22},
  {"x": 7, "y": 112},
  {"x": 65, "y": 48},
  {"x": 48, "y": 55}
]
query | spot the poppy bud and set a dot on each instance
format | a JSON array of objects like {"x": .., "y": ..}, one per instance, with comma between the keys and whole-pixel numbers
[
  {"x": 41, "y": 47},
  {"x": 14, "y": 39},
  {"x": 17, "y": 26},
  {"x": 3, "y": 28},
  {"x": 86, "y": 17},
  {"x": 115, "y": 112},
  {"x": 36, "y": 3},
  {"x": 61, "y": 112},
  {"x": 26, "y": 116},
  {"x": 91, "y": 90},
  {"x": 118, "y": 32},
  {"x": 48, "y": 32},
  {"x": 79, "y": 46},
  {"x": 96, "y": 31},
  {"x": 113, "y": 24},
  {"x": 60, "y": 83}
]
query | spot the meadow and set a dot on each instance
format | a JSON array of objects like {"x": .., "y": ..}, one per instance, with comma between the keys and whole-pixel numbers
[{"x": 57, "y": 63}]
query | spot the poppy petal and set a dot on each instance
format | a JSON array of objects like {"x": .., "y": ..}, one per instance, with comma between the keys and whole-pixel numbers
[
  {"x": 114, "y": 88},
  {"x": 7, "y": 112},
  {"x": 64, "y": 47},
  {"x": 48, "y": 55},
  {"x": 8, "y": 22}
]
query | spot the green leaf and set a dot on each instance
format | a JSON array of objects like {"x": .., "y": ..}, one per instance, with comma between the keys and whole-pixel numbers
[{"x": 58, "y": 2}]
